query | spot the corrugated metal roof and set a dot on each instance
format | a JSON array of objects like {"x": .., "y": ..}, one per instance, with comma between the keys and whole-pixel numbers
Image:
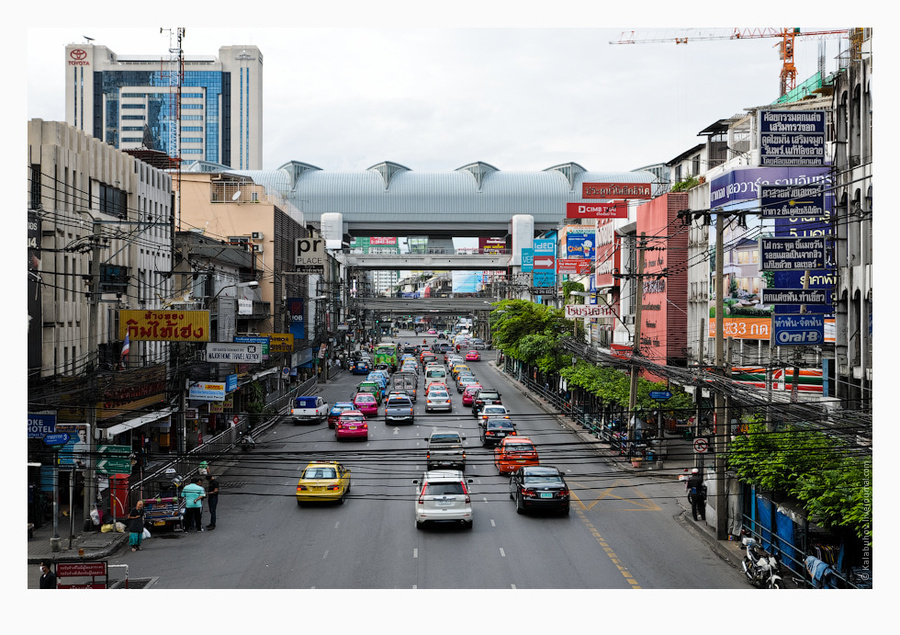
[{"x": 385, "y": 193}]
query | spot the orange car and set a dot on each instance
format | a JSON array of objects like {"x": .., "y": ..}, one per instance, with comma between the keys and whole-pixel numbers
[{"x": 513, "y": 453}]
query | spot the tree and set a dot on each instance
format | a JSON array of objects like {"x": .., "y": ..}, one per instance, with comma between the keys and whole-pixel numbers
[
  {"x": 530, "y": 332},
  {"x": 833, "y": 486}
]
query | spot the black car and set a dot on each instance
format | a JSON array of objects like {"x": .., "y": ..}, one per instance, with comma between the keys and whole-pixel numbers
[
  {"x": 485, "y": 396},
  {"x": 495, "y": 430},
  {"x": 539, "y": 487}
]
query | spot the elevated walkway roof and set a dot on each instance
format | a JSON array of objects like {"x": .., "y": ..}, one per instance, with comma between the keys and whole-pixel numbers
[{"x": 477, "y": 196}]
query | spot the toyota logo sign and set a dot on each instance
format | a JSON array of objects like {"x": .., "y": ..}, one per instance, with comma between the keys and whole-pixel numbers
[{"x": 78, "y": 57}]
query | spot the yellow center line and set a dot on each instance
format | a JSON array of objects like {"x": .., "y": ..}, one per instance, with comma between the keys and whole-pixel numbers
[{"x": 609, "y": 552}]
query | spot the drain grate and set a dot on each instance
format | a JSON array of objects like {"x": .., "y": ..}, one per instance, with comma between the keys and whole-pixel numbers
[{"x": 232, "y": 484}]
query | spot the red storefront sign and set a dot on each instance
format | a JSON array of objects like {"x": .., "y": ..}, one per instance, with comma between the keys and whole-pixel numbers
[
  {"x": 616, "y": 190},
  {"x": 597, "y": 210},
  {"x": 606, "y": 255},
  {"x": 82, "y": 570},
  {"x": 573, "y": 266}
]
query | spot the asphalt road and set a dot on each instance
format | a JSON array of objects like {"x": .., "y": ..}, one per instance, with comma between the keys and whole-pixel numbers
[{"x": 620, "y": 533}]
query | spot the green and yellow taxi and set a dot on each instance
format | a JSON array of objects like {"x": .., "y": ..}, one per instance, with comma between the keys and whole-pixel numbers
[{"x": 323, "y": 481}]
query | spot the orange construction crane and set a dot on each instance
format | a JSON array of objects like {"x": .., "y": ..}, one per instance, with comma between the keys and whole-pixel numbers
[{"x": 786, "y": 46}]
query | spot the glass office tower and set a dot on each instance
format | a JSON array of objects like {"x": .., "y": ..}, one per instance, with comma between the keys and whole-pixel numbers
[{"x": 132, "y": 102}]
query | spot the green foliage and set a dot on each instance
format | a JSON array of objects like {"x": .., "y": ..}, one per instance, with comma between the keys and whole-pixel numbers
[
  {"x": 256, "y": 402},
  {"x": 686, "y": 184},
  {"x": 834, "y": 488},
  {"x": 568, "y": 287},
  {"x": 530, "y": 332}
]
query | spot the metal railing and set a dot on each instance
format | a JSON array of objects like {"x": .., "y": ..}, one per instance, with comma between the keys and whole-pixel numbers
[{"x": 189, "y": 465}]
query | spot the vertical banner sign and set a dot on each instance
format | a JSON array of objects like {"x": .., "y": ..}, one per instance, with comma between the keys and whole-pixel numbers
[
  {"x": 792, "y": 138},
  {"x": 606, "y": 255},
  {"x": 296, "y": 317},
  {"x": 527, "y": 260},
  {"x": 545, "y": 262}
]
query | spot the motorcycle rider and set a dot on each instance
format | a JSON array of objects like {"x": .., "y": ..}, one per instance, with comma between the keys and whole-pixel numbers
[{"x": 696, "y": 494}]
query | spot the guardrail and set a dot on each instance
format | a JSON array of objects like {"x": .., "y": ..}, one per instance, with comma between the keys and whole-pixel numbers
[{"x": 187, "y": 466}]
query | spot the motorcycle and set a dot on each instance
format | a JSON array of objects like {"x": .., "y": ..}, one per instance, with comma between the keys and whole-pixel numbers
[
  {"x": 761, "y": 567},
  {"x": 246, "y": 442}
]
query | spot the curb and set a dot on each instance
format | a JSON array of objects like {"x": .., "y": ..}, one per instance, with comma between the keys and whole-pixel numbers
[{"x": 715, "y": 546}]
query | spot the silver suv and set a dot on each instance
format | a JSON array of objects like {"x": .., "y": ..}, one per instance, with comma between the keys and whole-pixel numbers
[{"x": 443, "y": 496}]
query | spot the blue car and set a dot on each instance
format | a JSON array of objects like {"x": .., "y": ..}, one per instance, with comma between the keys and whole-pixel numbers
[
  {"x": 360, "y": 367},
  {"x": 378, "y": 377},
  {"x": 336, "y": 411}
]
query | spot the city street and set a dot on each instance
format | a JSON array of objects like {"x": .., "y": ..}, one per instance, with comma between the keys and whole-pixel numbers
[{"x": 621, "y": 532}]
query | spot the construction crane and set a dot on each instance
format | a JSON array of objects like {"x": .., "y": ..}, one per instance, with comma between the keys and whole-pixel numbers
[{"x": 786, "y": 45}]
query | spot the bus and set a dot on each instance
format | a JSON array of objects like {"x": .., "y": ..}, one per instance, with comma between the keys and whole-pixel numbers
[{"x": 386, "y": 353}]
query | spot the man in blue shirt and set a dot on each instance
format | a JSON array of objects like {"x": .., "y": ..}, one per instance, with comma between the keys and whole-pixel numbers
[{"x": 193, "y": 505}]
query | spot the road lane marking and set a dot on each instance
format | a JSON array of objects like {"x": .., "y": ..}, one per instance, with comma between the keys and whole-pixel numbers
[
  {"x": 502, "y": 553},
  {"x": 493, "y": 524},
  {"x": 644, "y": 505},
  {"x": 608, "y": 550},
  {"x": 415, "y": 553}
]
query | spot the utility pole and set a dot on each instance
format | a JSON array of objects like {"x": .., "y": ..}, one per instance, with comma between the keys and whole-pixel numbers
[
  {"x": 636, "y": 344},
  {"x": 720, "y": 429},
  {"x": 90, "y": 483}
]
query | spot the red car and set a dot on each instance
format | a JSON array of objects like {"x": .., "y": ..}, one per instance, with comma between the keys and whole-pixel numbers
[
  {"x": 468, "y": 395},
  {"x": 515, "y": 452},
  {"x": 473, "y": 356},
  {"x": 366, "y": 403},
  {"x": 351, "y": 425}
]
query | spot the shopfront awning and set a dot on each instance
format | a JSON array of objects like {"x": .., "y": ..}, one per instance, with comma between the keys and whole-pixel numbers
[{"x": 137, "y": 422}]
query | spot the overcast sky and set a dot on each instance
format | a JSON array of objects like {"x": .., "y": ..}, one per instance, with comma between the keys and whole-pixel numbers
[{"x": 435, "y": 98}]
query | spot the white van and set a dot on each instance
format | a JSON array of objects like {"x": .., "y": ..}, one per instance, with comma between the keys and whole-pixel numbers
[{"x": 435, "y": 374}]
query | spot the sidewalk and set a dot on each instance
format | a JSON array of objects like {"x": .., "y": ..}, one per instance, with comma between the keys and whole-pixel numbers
[
  {"x": 678, "y": 462},
  {"x": 95, "y": 544}
]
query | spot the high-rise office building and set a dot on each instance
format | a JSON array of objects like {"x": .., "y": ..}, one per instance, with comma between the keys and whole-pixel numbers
[{"x": 132, "y": 102}]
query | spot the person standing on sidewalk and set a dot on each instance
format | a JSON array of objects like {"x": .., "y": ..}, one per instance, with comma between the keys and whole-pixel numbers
[
  {"x": 193, "y": 505},
  {"x": 136, "y": 526},
  {"x": 48, "y": 578},
  {"x": 212, "y": 499},
  {"x": 696, "y": 494}
]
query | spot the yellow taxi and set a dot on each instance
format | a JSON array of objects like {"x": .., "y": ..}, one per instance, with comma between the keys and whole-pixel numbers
[
  {"x": 457, "y": 368},
  {"x": 323, "y": 481}
]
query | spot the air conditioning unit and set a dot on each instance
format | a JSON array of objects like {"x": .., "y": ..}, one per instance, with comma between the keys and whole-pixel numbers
[
  {"x": 258, "y": 248},
  {"x": 256, "y": 235}
]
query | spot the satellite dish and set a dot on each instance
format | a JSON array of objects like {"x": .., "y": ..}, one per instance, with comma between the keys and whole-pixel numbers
[{"x": 236, "y": 195}]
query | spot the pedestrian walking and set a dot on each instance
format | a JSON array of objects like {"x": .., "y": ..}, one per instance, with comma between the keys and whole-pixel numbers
[
  {"x": 136, "y": 526},
  {"x": 696, "y": 494},
  {"x": 193, "y": 495},
  {"x": 212, "y": 499},
  {"x": 48, "y": 578}
]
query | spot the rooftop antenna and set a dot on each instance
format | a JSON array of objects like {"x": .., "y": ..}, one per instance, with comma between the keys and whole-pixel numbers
[{"x": 89, "y": 39}]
